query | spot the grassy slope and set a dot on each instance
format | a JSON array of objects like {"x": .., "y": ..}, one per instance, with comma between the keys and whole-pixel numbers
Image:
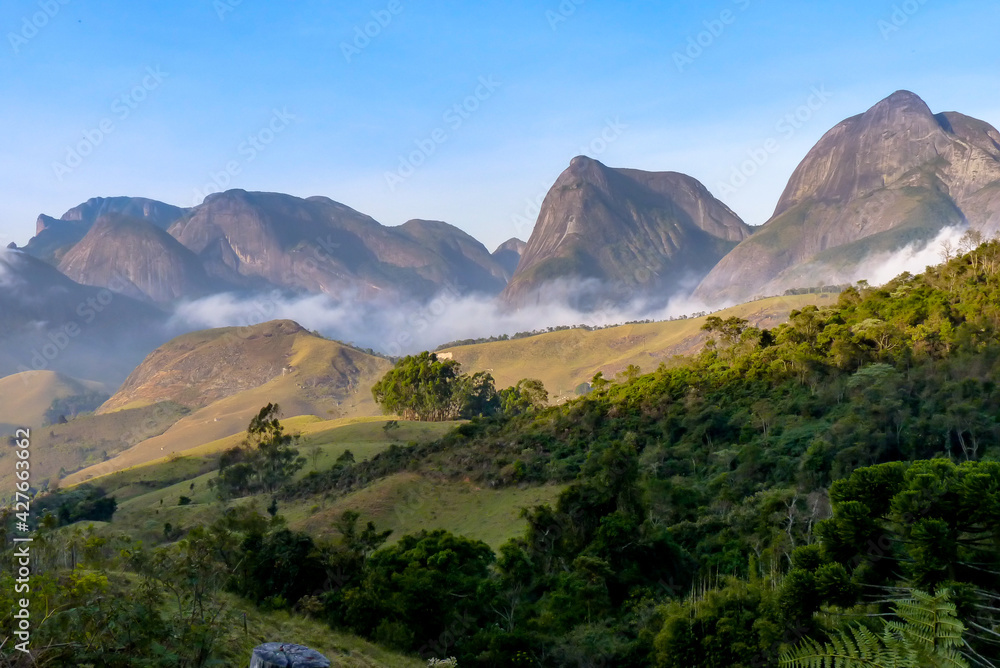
[
  {"x": 26, "y": 396},
  {"x": 148, "y": 495},
  {"x": 410, "y": 501},
  {"x": 200, "y": 368},
  {"x": 305, "y": 391},
  {"x": 563, "y": 360},
  {"x": 85, "y": 440}
]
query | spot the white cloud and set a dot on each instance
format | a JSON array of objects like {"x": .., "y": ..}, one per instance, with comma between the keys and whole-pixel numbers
[
  {"x": 403, "y": 328},
  {"x": 880, "y": 268}
]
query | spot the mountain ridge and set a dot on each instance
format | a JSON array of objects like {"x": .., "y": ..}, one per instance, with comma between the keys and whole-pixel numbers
[{"x": 650, "y": 233}]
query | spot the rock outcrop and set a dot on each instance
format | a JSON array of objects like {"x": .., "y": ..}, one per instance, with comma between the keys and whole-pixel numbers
[
  {"x": 624, "y": 232},
  {"x": 893, "y": 176}
]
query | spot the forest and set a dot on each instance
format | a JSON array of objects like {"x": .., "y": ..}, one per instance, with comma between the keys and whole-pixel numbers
[{"x": 824, "y": 493}]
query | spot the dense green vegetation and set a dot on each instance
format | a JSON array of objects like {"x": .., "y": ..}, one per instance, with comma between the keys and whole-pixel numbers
[
  {"x": 829, "y": 488},
  {"x": 264, "y": 461},
  {"x": 78, "y": 504},
  {"x": 424, "y": 387}
]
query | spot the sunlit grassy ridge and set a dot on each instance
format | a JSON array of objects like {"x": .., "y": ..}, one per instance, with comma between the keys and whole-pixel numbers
[
  {"x": 564, "y": 359},
  {"x": 27, "y": 395}
]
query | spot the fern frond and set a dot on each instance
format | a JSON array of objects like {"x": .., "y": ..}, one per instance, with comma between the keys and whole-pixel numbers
[{"x": 927, "y": 635}]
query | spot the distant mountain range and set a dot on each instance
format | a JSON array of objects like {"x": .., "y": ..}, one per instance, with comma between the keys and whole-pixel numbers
[
  {"x": 894, "y": 176},
  {"x": 251, "y": 241}
]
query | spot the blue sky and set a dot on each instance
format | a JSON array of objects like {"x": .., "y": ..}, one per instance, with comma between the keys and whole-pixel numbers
[{"x": 168, "y": 99}]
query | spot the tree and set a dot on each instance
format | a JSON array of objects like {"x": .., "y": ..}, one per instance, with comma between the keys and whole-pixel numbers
[
  {"x": 528, "y": 395},
  {"x": 478, "y": 395},
  {"x": 730, "y": 329},
  {"x": 423, "y": 387},
  {"x": 315, "y": 453},
  {"x": 426, "y": 585},
  {"x": 630, "y": 373},
  {"x": 599, "y": 382},
  {"x": 264, "y": 461}
]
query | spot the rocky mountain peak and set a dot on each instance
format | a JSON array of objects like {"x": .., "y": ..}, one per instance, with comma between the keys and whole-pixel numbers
[
  {"x": 893, "y": 176},
  {"x": 633, "y": 231}
]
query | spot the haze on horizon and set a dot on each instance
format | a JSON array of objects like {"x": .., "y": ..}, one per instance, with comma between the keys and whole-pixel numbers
[{"x": 492, "y": 101}]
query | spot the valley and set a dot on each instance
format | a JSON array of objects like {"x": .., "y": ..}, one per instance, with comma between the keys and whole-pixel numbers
[{"x": 658, "y": 436}]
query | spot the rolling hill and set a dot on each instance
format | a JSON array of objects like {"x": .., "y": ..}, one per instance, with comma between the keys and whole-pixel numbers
[
  {"x": 224, "y": 376},
  {"x": 29, "y": 394}
]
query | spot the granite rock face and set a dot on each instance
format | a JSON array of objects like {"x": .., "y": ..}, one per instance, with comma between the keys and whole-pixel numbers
[
  {"x": 895, "y": 175},
  {"x": 137, "y": 259},
  {"x": 321, "y": 246},
  {"x": 248, "y": 241},
  {"x": 645, "y": 234},
  {"x": 54, "y": 237},
  {"x": 508, "y": 255}
]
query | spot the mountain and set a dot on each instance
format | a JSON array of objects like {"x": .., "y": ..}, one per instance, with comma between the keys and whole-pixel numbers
[
  {"x": 641, "y": 233},
  {"x": 249, "y": 241},
  {"x": 318, "y": 245},
  {"x": 222, "y": 377},
  {"x": 55, "y": 236},
  {"x": 49, "y": 322},
  {"x": 508, "y": 255},
  {"x": 895, "y": 175},
  {"x": 135, "y": 258},
  {"x": 468, "y": 266},
  {"x": 202, "y": 368}
]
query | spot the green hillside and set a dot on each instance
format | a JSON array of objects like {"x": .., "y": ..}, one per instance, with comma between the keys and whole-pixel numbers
[{"x": 752, "y": 505}]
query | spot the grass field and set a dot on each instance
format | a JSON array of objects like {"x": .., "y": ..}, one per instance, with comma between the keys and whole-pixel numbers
[
  {"x": 149, "y": 495},
  {"x": 408, "y": 502},
  {"x": 562, "y": 360}
]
